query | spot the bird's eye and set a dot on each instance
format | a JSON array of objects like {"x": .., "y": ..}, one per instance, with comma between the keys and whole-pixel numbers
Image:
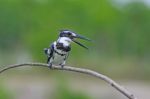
[{"x": 69, "y": 34}]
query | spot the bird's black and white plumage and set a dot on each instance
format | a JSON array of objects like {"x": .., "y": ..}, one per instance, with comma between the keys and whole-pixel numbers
[{"x": 59, "y": 50}]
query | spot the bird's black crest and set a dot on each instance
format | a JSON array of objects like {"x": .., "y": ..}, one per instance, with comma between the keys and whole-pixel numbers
[{"x": 63, "y": 34}]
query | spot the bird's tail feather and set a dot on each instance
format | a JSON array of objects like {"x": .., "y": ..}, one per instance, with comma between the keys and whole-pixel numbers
[{"x": 46, "y": 50}]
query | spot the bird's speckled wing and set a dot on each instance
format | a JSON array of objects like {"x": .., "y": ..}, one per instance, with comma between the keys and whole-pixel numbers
[{"x": 49, "y": 52}]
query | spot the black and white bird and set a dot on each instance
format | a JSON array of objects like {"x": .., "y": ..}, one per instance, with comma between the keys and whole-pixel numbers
[{"x": 59, "y": 50}]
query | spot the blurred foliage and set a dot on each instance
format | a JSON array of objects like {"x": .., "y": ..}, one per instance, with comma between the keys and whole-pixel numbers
[
  {"x": 4, "y": 93},
  {"x": 63, "y": 91},
  {"x": 120, "y": 34},
  {"x": 36, "y": 23}
]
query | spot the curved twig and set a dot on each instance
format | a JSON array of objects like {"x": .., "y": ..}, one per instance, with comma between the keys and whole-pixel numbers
[{"x": 80, "y": 70}]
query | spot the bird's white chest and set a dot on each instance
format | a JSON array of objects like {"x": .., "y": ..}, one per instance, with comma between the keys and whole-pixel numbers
[{"x": 58, "y": 59}]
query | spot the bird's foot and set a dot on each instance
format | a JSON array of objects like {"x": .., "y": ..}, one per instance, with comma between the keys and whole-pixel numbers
[
  {"x": 62, "y": 65},
  {"x": 50, "y": 65}
]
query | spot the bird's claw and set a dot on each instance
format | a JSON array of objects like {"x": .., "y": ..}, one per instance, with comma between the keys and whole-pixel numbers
[
  {"x": 62, "y": 65},
  {"x": 50, "y": 65}
]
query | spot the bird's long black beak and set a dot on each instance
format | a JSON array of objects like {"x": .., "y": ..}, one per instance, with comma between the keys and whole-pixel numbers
[{"x": 81, "y": 37}]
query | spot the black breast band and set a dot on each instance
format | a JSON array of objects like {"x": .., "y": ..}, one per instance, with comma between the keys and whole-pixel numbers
[
  {"x": 60, "y": 46},
  {"x": 59, "y": 53}
]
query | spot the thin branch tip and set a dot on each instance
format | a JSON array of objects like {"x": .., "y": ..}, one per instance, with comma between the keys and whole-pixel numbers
[{"x": 79, "y": 70}]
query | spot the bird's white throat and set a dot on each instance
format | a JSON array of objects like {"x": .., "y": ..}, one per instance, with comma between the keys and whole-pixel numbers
[{"x": 65, "y": 40}]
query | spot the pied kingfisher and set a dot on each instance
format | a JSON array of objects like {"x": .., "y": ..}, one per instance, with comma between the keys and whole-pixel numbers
[{"x": 59, "y": 50}]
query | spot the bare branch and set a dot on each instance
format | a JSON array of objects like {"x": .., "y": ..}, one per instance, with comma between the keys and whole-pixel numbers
[{"x": 79, "y": 70}]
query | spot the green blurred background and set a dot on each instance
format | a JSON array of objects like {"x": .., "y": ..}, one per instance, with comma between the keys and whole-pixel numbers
[{"x": 120, "y": 30}]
